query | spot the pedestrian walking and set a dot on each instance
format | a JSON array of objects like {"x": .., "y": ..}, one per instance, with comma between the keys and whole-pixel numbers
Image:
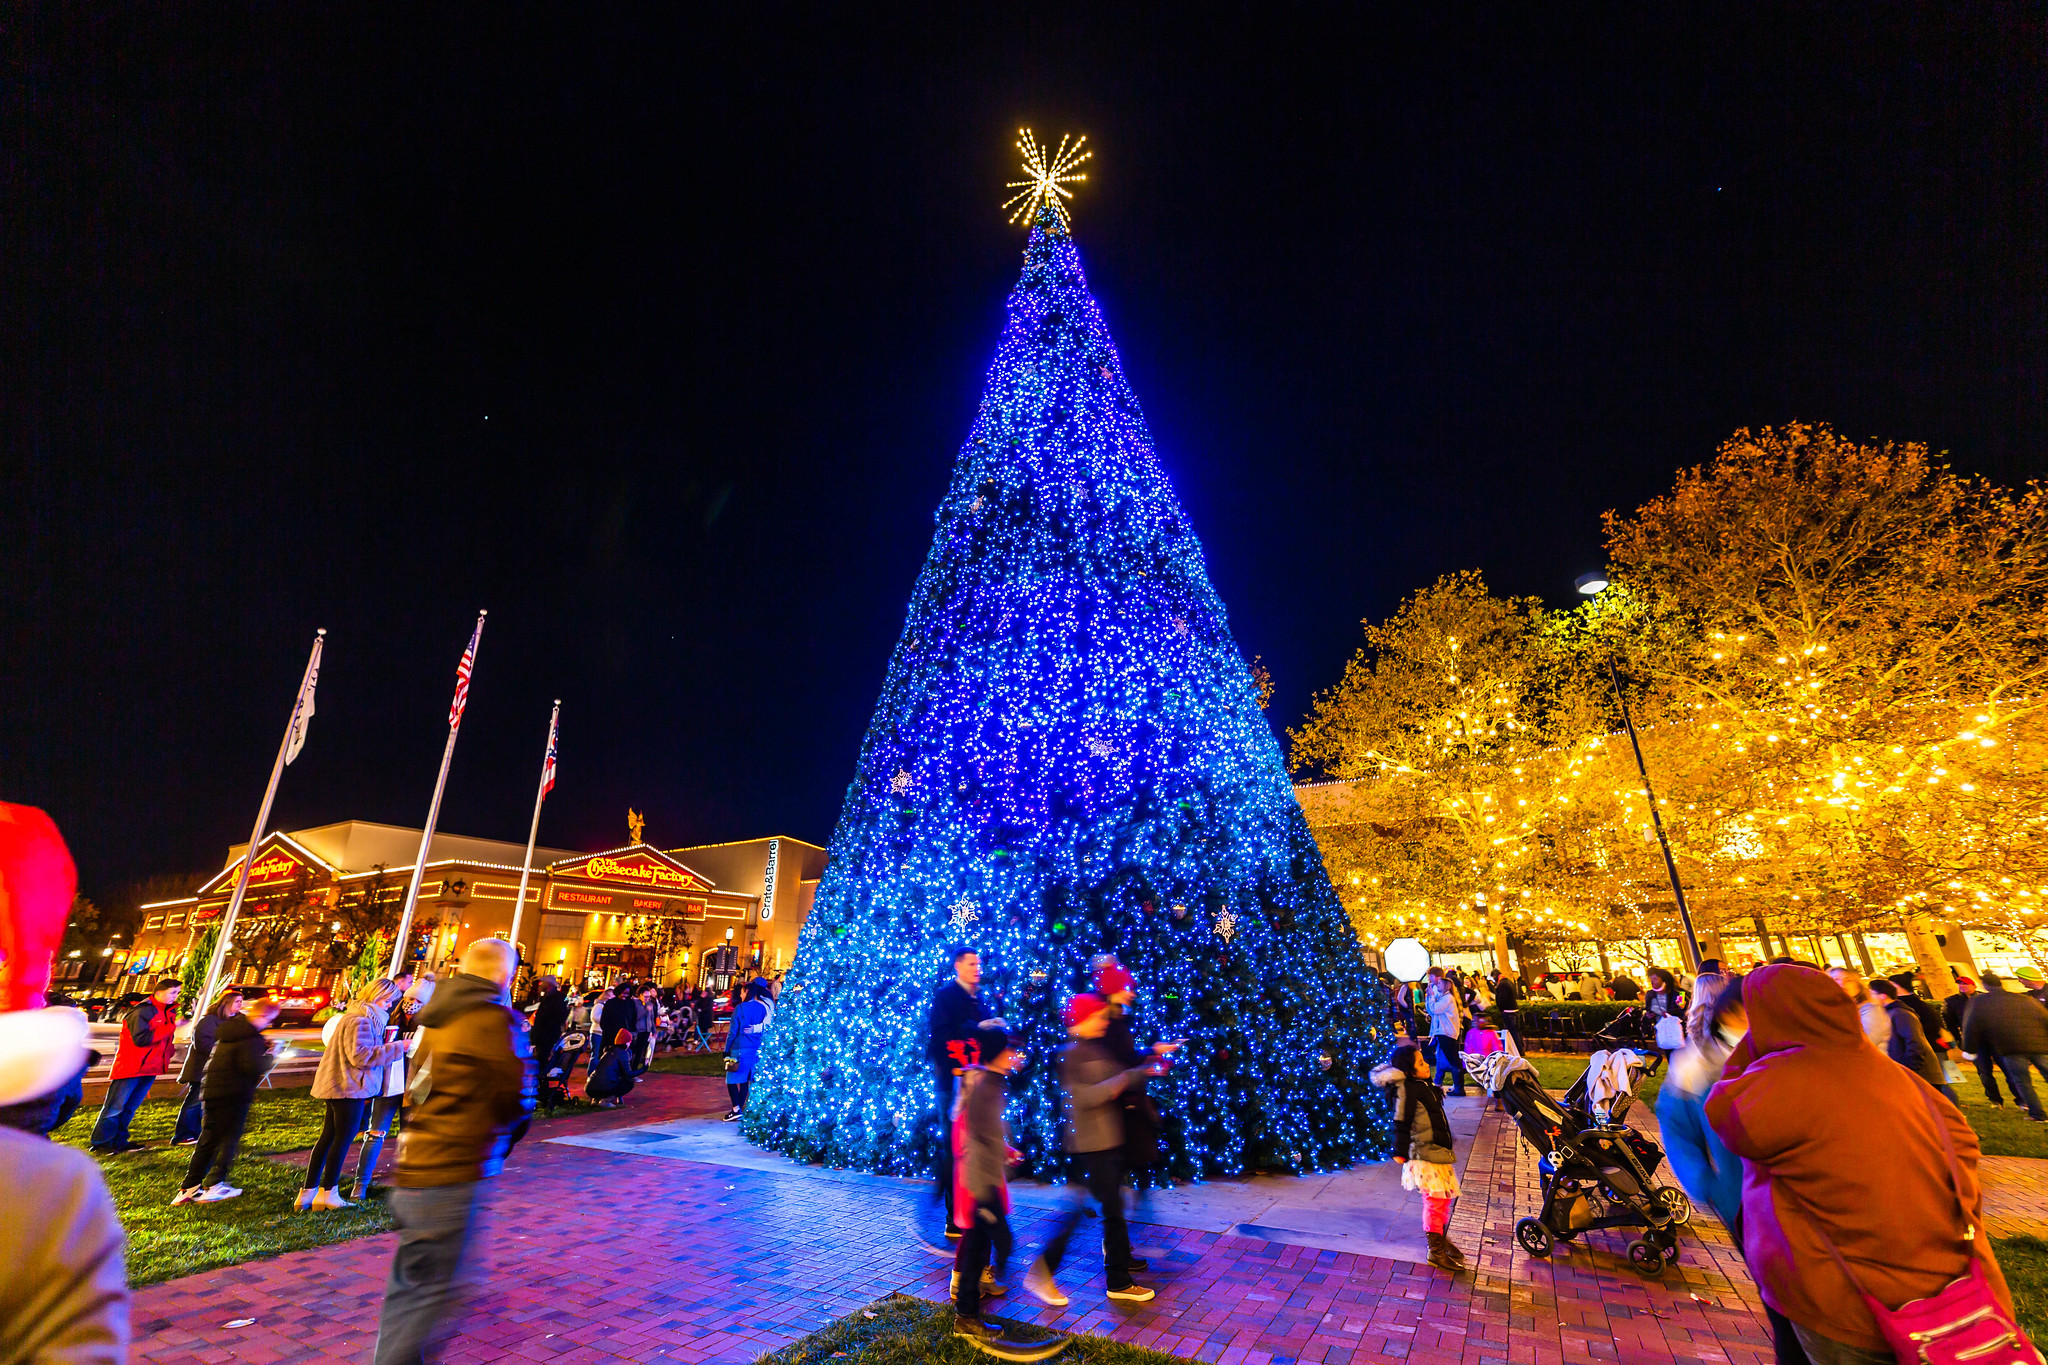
[
  {"x": 1708, "y": 1172},
  {"x": 743, "y": 1045},
  {"x": 143, "y": 1054},
  {"x": 1093, "y": 1136},
  {"x": 1870, "y": 1011},
  {"x": 226, "y": 1004},
  {"x": 1446, "y": 1028},
  {"x": 550, "y": 1017},
  {"x": 240, "y": 1059},
  {"x": 353, "y": 1071},
  {"x": 1424, "y": 1147},
  {"x": 2013, "y": 1028},
  {"x": 1858, "y": 1179},
  {"x": 1141, "y": 1116},
  {"x": 471, "y": 1095},
  {"x": 646, "y": 1018},
  {"x": 956, "y": 1012},
  {"x": 701, "y": 1013},
  {"x": 1954, "y": 1011},
  {"x": 1507, "y": 998},
  {"x": 1906, "y": 1040}
]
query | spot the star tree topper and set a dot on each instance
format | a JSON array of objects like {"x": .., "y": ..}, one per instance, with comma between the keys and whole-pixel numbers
[{"x": 1046, "y": 177}]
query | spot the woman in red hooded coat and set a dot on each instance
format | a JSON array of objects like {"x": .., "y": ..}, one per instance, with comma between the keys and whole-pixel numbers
[{"x": 1840, "y": 1143}]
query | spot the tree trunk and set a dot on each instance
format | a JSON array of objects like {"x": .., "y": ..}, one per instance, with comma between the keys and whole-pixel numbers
[
  {"x": 1927, "y": 955},
  {"x": 1763, "y": 932},
  {"x": 1500, "y": 943}
]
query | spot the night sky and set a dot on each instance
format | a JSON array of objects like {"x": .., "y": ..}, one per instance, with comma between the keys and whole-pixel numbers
[{"x": 657, "y": 336}]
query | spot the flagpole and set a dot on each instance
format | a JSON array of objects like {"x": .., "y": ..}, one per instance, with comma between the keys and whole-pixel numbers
[
  {"x": 227, "y": 920},
  {"x": 533, "y": 832},
  {"x": 419, "y": 864}
]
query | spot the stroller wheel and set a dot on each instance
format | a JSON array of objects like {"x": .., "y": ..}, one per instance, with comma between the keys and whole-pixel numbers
[
  {"x": 1646, "y": 1258},
  {"x": 1674, "y": 1202},
  {"x": 1535, "y": 1237}
]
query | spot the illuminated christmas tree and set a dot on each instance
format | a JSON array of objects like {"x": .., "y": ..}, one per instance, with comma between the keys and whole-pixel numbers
[{"x": 1069, "y": 757}]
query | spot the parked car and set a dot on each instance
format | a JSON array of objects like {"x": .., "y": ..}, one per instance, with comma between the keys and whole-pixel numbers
[{"x": 296, "y": 1006}]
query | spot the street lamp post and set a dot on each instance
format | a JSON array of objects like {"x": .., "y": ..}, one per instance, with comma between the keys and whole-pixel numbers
[{"x": 1591, "y": 585}]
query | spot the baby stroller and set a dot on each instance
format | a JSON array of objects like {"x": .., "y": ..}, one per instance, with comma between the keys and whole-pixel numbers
[
  {"x": 554, "y": 1072},
  {"x": 1578, "y": 1161}
]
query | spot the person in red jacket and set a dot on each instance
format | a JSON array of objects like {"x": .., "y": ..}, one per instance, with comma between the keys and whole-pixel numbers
[{"x": 144, "y": 1054}]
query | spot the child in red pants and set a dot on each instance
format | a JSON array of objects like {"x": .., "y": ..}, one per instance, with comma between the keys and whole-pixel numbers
[{"x": 1423, "y": 1146}]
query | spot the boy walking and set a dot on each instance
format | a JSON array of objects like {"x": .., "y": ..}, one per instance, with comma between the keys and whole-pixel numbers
[{"x": 241, "y": 1059}]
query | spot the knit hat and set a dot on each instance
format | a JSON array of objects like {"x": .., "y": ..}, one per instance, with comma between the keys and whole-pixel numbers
[
  {"x": 39, "y": 1048},
  {"x": 1110, "y": 976},
  {"x": 1082, "y": 1008},
  {"x": 990, "y": 1038},
  {"x": 2030, "y": 975}
]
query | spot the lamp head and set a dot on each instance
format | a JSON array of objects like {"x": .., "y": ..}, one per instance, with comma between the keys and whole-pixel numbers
[{"x": 1592, "y": 584}]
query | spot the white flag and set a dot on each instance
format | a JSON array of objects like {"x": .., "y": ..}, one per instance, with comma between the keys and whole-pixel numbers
[{"x": 302, "y": 714}]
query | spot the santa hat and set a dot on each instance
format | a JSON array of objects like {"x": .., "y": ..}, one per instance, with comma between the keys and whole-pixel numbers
[
  {"x": 40, "y": 1048},
  {"x": 1110, "y": 976},
  {"x": 1082, "y": 1008}
]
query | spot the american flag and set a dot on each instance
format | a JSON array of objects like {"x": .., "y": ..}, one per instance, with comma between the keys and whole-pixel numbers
[
  {"x": 547, "y": 769},
  {"x": 462, "y": 672}
]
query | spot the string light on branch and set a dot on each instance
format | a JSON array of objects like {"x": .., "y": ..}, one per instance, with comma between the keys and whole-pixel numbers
[{"x": 1046, "y": 177}]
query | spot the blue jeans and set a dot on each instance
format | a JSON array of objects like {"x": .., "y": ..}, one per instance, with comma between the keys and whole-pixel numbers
[
  {"x": 427, "y": 1271},
  {"x": 117, "y": 1111},
  {"x": 2015, "y": 1069},
  {"x": 1450, "y": 1066},
  {"x": 382, "y": 1110}
]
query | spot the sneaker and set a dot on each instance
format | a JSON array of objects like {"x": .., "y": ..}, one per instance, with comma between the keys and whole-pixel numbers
[
  {"x": 213, "y": 1194},
  {"x": 305, "y": 1201},
  {"x": 186, "y": 1196},
  {"x": 1133, "y": 1293},
  {"x": 974, "y": 1329},
  {"x": 186, "y": 1142},
  {"x": 1038, "y": 1280},
  {"x": 732, "y": 1115},
  {"x": 1137, "y": 1263},
  {"x": 953, "y": 1234}
]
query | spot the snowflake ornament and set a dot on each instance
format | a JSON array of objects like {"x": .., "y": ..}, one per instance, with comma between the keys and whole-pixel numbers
[
  {"x": 974, "y": 506},
  {"x": 1100, "y": 747},
  {"x": 1180, "y": 625},
  {"x": 1226, "y": 926},
  {"x": 963, "y": 912},
  {"x": 901, "y": 782}
]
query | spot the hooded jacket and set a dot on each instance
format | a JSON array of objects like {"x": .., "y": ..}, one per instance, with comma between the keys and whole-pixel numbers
[
  {"x": 356, "y": 1058},
  {"x": 1419, "y": 1118},
  {"x": 146, "y": 1041},
  {"x": 1835, "y": 1135},
  {"x": 1908, "y": 1045},
  {"x": 471, "y": 1083},
  {"x": 239, "y": 1060}
]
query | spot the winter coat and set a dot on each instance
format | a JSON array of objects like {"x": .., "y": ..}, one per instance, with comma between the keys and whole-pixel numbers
[
  {"x": 617, "y": 1015},
  {"x": 241, "y": 1059},
  {"x": 1445, "y": 1018},
  {"x": 66, "y": 1296},
  {"x": 954, "y": 1016},
  {"x": 1709, "y": 1172},
  {"x": 1419, "y": 1118},
  {"x": 644, "y": 1016},
  {"x": 1094, "y": 1083},
  {"x": 1506, "y": 994},
  {"x": 1141, "y": 1116},
  {"x": 743, "y": 1040},
  {"x": 550, "y": 1017},
  {"x": 2000, "y": 1021},
  {"x": 1665, "y": 1000},
  {"x": 353, "y": 1066},
  {"x": 146, "y": 1042},
  {"x": 1908, "y": 1045},
  {"x": 1834, "y": 1134},
  {"x": 705, "y": 1007},
  {"x": 981, "y": 1144},
  {"x": 1954, "y": 1011},
  {"x": 1877, "y": 1025},
  {"x": 471, "y": 1084},
  {"x": 198, "y": 1050}
]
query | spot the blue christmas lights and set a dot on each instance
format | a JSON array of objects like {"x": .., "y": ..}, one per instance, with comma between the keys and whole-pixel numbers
[{"x": 1068, "y": 757}]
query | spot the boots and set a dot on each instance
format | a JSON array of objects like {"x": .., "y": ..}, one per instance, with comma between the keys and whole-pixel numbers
[{"x": 1443, "y": 1255}]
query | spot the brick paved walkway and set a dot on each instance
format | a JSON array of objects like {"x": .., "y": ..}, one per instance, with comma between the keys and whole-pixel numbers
[{"x": 599, "y": 1256}]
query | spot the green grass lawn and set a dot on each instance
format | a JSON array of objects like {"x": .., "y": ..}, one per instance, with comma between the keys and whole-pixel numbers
[
  {"x": 2000, "y": 1132},
  {"x": 900, "y": 1330},
  {"x": 2025, "y": 1263},
  {"x": 166, "y": 1242},
  {"x": 690, "y": 1064}
]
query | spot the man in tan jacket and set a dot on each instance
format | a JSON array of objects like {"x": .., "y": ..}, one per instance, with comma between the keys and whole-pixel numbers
[{"x": 467, "y": 1101}]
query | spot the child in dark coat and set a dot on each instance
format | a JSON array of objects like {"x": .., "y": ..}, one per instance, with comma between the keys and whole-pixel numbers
[
  {"x": 241, "y": 1059},
  {"x": 1424, "y": 1147}
]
